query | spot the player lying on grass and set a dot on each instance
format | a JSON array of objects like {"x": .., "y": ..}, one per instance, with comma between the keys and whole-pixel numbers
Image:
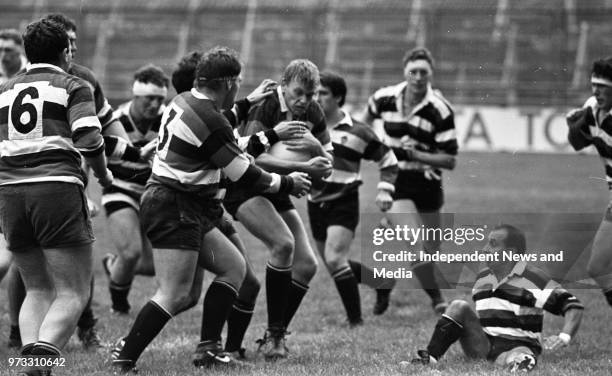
[
  {"x": 505, "y": 326},
  {"x": 592, "y": 125}
]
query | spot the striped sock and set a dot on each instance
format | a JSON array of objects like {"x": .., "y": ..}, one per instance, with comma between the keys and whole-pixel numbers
[
  {"x": 278, "y": 282},
  {"x": 346, "y": 283},
  {"x": 217, "y": 305},
  {"x": 297, "y": 291}
]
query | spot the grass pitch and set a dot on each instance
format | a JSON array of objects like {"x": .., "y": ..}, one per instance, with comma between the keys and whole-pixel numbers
[{"x": 322, "y": 343}]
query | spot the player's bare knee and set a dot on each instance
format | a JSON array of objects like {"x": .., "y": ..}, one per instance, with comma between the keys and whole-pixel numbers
[
  {"x": 458, "y": 309},
  {"x": 305, "y": 270},
  {"x": 282, "y": 249},
  {"x": 130, "y": 252},
  {"x": 334, "y": 262}
]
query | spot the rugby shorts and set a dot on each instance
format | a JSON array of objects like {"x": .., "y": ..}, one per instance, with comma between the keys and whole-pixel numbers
[
  {"x": 179, "y": 220},
  {"x": 501, "y": 350},
  {"x": 45, "y": 215},
  {"x": 427, "y": 195},
  {"x": 115, "y": 198},
  {"x": 343, "y": 211}
]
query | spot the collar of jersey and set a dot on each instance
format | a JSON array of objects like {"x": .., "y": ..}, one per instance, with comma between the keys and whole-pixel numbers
[
  {"x": 199, "y": 95},
  {"x": 281, "y": 99},
  {"x": 346, "y": 120},
  {"x": 29, "y": 67}
]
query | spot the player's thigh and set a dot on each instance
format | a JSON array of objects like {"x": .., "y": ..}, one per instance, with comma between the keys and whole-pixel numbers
[
  {"x": 403, "y": 212},
  {"x": 124, "y": 227},
  {"x": 6, "y": 258},
  {"x": 338, "y": 243},
  {"x": 431, "y": 220},
  {"x": 601, "y": 253},
  {"x": 175, "y": 269},
  {"x": 32, "y": 265},
  {"x": 220, "y": 256},
  {"x": 303, "y": 252},
  {"x": 263, "y": 221},
  {"x": 70, "y": 267}
]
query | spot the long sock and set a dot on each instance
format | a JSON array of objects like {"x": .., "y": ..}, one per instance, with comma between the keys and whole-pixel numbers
[
  {"x": 237, "y": 324},
  {"x": 217, "y": 305},
  {"x": 45, "y": 350},
  {"x": 608, "y": 295},
  {"x": 296, "y": 295},
  {"x": 87, "y": 318},
  {"x": 149, "y": 322},
  {"x": 447, "y": 331},
  {"x": 425, "y": 273},
  {"x": 278, "y": 282},
  {"x": 119, "y": 294},
  {"x": 365, "y": 275},
  {"x": 346, "y": 283}
]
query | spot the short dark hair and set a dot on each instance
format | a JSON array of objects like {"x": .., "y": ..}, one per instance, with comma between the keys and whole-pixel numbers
[
  {"x": 185, "y": 73},
  {"x": 419, "y": 53},
  {"x": 303, "y": 71},
  {"x": 67, "y": 23},
  {"x": 12, "y": 34},
  {"x": 515, "y": 238},
  {"x": 44, "y": 41},
  {"x": 218, "y": 64},
  {"x": 152, "y": 74},
  {"x": 336, "y": 85},
  {"x": 603, "y": 68}
]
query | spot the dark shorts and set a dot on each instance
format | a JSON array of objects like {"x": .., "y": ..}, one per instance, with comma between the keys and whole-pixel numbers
[
  {"x": 45, "y": 215},
  {"x": 499, "y": 345},
  {"x": 179, "y": 220},
  {"x": 236, "y": 197},
  {"x": 115, "y": 198},
  {"x": 343, "y": 211},
  {"x": 427, "y": 195}
]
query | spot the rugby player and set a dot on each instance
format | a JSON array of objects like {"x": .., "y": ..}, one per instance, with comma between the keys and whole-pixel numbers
[
  {"x": 292, "y": 262},
  {"x": 52, "y": 123},
  {"x": 140, "y": 119},
  {"x": 242, "y": 311},
  {"x": 592, "y": 125},
  {"x": 333, "y": 208},
  {"x": 505, "y": 326},
  {"x": 419, "y": 127},
  {"x": 196, "y": 143}
]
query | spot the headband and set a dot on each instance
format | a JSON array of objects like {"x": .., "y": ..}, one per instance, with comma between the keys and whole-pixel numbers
[
  {"x": 146, "y": 89},
  {"x": 601, "y": 81}
]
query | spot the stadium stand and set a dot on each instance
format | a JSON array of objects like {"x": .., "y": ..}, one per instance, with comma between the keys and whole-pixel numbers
[{"x": 489, "y": 52}]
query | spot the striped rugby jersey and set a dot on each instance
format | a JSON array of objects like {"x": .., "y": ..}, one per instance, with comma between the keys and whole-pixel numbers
[
  {"x": 430, "y": 126},
  {"x": 513, "y": 308},
  {"x": 273, "y": 110},
  {"x": 601, "y": 134},
  {"x": 103, "y": 109},
  {"x": 133, "y": 175},
  {"x": 196, "y": 143},
  {"x": 47, "y": 117},
  {"x": 352, "y": 142}
]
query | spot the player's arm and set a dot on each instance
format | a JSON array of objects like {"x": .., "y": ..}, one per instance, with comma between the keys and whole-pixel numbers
[
  {"x": 445, "y": 143},
  {"x": 559, "y": 301},
  {"x": 237, "y": 167},
  {"x": 86, "y": 135},
  {"x": 239, "y": 112},
  {"x": 387, "y": 164},
  {"x": 578, "y": 133}
]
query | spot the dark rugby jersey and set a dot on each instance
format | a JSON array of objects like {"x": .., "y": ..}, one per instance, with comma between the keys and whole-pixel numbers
[
  {"x": 133, "y": 175},
  {"x": 601, "y": 134},
  {"x": 273, "y": 110},
  {"x": 47, "y": 117},
  {"x": 430, "y": 126},
  {"x": 513, "y": 308},
  {"x": 352, "y": 142},
  {"x": 196, "y": 143}
]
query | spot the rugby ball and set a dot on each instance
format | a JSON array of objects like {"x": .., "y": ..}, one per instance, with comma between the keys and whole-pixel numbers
[{"x": 279, "y": 150}]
